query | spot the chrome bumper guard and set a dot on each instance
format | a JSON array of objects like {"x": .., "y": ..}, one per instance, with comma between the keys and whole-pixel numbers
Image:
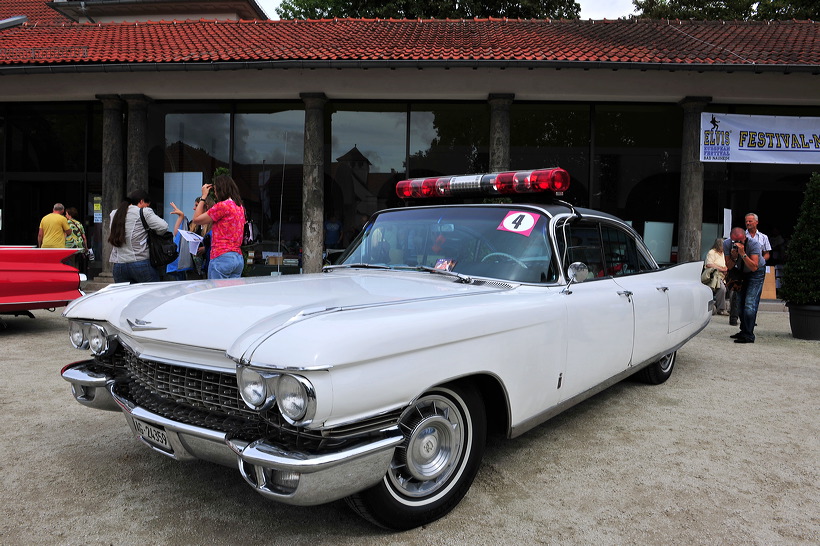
[
  {"x": 89, "y": 387},
  {"x": 308, "y": 479},
  {"x": 290, "y": 477}
]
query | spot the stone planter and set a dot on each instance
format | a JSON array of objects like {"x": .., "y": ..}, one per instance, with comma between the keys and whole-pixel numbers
[{"x": 804, "y": 321}]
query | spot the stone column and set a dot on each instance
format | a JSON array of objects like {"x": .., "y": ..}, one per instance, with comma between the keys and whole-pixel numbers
[
  {"x": 500, "y": 131},
  {"x": 137, "y": 173},
  {"x": 313, "y": 182},
  {"x": 690, "y": 219},
  {"x": 113, "y": 182}
]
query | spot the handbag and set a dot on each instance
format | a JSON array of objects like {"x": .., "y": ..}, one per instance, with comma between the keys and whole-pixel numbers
[{"x": 162, "y": 249}]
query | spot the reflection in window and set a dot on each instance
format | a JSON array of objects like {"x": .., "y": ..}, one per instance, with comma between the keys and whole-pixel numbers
[
  {"x": 197, "y": 143},
  {"x": 368, "y": 155},
  {"x": 637, "y": 161},
  {"x": 267, "y": 167},
  {"x": 449, "y": 139},
  {"x": 47, "y": 138},
  {"x": 553, "y": 135}
]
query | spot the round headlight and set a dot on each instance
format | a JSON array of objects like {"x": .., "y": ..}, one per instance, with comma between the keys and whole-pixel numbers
[
  {"x": 77, "y": 336},
  {"x": 97, "y": 339},
  {"x": 252, "y": 387},
  {"x": 294, "y": 396}
]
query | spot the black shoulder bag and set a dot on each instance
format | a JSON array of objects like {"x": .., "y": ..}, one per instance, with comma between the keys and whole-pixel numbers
[{"x": 162, "y": 249}]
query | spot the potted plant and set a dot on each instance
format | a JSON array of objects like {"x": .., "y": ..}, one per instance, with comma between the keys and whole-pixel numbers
[{"x": 801, "y": 274}]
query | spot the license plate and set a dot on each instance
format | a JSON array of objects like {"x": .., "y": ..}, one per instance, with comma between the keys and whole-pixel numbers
[{"x": 153, "y": 434}]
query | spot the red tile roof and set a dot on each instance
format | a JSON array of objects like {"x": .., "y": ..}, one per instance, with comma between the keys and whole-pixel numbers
[
  {"x": 624, "y": 42},
  {"x": 36, "y": 10}
]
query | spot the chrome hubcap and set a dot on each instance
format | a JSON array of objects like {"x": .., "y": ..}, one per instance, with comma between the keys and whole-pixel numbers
[{"x": 434, "y": 442}]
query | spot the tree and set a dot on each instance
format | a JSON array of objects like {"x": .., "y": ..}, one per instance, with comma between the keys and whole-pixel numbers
[
  {"x": 725, "y": 10},
  {"x": 728, "y": 10},
  {"x": 788, "y": 9},
  {"x": 440, "y": 9}
]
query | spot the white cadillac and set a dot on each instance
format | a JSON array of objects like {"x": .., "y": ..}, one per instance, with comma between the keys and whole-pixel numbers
[{"x": 379, "y": 379}]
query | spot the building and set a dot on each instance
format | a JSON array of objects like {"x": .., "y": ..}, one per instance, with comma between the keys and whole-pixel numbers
[{"x": 321, "y": 118}]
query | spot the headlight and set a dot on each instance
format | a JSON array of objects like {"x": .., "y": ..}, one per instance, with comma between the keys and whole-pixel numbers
[
  {"x": 77, "y": 336},
  {"x": 87, "y": 335},
  {"x": 296, "y": 399},
  {"x": 97, "y": 339},
  {"x": 253, "y": 387}
]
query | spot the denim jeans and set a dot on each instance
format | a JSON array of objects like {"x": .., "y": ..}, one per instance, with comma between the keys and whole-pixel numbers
[
  {"x": 226, "y": 266},
  {"x": 749, "y": 301},
  {"x": 132, "y": 272}
]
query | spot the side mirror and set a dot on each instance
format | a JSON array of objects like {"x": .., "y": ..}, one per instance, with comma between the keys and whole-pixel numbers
[{"x": 577, "y": 272}]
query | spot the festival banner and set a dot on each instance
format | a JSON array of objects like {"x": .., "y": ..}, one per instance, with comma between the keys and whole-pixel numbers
[{"x": 733, "y": 138}]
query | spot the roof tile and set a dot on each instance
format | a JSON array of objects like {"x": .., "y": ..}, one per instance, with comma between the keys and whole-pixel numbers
[{"x": 46, "y": 40}]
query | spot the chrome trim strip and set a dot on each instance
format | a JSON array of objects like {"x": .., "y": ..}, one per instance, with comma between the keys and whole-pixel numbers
[
  {"x": 536, "y": 420},
  {"x": 263, "y": 453}
]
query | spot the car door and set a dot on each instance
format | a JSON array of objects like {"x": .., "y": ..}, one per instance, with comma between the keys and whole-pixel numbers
[
  {"x": 599, "y": 315},
  {"x": 647, "y": 288}
]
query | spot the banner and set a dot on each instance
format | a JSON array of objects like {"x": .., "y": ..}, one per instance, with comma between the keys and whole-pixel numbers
[{"x": 732, "y": 138}]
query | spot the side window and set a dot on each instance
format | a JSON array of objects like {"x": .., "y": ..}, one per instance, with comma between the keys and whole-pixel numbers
[
  {"x": 584, "y": 245},
  {"x": 620, "y": 252}
]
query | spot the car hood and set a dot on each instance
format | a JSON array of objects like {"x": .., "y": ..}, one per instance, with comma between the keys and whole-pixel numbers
[{"x": 231, "y": 315}]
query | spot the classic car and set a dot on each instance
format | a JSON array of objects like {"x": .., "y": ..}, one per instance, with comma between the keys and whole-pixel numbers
[
  {"x": 36, "y": 278},
  {"x": 378, "y": 380}
]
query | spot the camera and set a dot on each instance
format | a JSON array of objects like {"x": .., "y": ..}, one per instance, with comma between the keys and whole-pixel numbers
[{"x": 734, "y": 246}]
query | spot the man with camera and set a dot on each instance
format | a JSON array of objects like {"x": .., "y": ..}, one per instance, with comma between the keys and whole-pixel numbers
[{"x": 745, "y": 254}]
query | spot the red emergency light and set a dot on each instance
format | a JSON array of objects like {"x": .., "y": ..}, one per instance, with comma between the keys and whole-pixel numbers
[{"x": 555, "y": 179}]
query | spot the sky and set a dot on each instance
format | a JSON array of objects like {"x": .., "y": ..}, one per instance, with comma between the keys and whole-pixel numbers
[{"x": 590, "y": 9}]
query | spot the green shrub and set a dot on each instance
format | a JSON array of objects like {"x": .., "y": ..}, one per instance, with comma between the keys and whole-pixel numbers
[{"x": 801, "y": 274}]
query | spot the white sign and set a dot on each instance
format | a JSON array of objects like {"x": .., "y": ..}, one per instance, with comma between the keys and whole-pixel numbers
[{"x": 733, "y": 138}]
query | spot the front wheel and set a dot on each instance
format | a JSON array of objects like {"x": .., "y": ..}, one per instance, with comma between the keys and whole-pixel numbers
[
  {"x": 658, "y": 372},
  {"x": 444, "y": 435}
]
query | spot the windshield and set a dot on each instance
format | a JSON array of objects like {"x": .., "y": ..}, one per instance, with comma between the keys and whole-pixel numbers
[{"x": 500, "y": 243}]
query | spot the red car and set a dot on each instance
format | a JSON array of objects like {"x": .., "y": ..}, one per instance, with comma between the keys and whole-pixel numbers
[{"x": 36, "y": 278}]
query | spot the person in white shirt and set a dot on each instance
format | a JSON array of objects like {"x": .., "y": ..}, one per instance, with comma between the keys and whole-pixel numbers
[{"x": 751, "y": 220}]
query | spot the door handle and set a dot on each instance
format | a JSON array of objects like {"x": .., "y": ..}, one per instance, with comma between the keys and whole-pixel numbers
[
  {"x": 663, "y": 288},
  {"x": 626, "y": 293}
]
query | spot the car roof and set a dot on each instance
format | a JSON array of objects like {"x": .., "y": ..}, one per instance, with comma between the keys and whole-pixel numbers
[{"x": 550, "y": 209}]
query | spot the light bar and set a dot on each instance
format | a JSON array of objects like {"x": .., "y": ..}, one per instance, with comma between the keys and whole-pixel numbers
[{"x": 554, "y": 179}]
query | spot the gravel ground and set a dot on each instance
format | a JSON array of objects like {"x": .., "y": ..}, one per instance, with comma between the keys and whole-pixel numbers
[{"x": 725, "y": 452}]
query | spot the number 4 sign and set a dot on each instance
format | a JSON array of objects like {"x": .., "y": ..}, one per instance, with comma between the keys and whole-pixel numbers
[{"x": 519, "y": 222}]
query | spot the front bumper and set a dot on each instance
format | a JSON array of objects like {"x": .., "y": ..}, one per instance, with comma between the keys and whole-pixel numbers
[{"x": 287, "y": 476}]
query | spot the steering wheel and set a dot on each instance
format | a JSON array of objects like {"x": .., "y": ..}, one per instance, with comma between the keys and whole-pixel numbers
[{"x": 504, "y": 255}]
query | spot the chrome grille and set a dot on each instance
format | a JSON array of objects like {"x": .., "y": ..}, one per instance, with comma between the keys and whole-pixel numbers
[
  {"x": 206, "y": 389},
  {"x": 211, "y": 400}
]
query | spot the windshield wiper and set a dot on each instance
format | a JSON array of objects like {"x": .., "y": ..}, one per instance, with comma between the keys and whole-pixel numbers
[
  {"x": 461, "y": 277},
  {"x": 359, "y": 265}
]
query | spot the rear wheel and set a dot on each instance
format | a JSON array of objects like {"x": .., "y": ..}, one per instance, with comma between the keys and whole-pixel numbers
[
  {"x": 658, "y": 372},
  {"x": 431, "y": 471}
]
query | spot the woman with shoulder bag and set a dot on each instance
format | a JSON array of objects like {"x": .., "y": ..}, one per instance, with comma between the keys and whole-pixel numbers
[
  {"x": 716, "y": 264},
  {"x": 227, "y": 219},
  {"x": 130, "y": 240}
]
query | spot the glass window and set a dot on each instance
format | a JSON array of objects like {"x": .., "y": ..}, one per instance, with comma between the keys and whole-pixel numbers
[
  {"x": 621, "y": 253},
  {"x": 553, "y": 135},
  {"x": 584, "y": 245},
  {"x": 368, "y": 151},
  {"x": 449, "y": 139},
  {"x": 197, "y": 142},
  {"x": 267, "y": 167},
  {"x": 470, "y": 241},
  {"x": 637, "y": 161},
  {"x": 47, "y": 138}
]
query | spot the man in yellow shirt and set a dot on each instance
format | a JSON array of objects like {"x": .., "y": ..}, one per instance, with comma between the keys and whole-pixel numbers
[{"x": 53, "y": 229}]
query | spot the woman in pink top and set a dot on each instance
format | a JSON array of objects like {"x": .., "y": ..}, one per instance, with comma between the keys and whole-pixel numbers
[{"x": 227, "y": 219}]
